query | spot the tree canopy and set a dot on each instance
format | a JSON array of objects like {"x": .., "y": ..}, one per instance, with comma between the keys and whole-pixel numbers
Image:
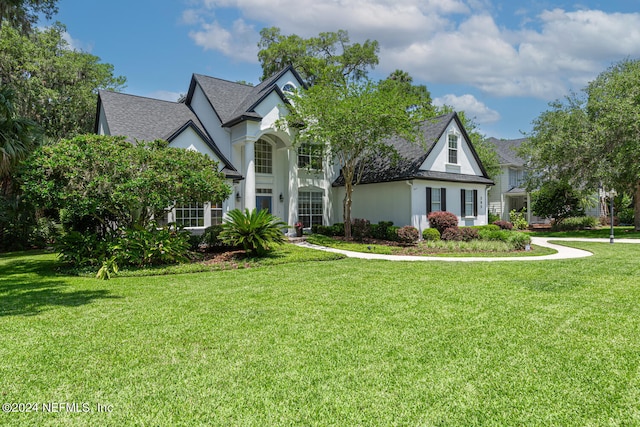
[
  {"x": 328, "y": 57},
  {"x": 22, "y": 14},
  {"x": 55, "y": 85},
  {"x": 352, "y": 123},
  {"x": 592, "y": 139},
  {"x": 110, "y": 182}
]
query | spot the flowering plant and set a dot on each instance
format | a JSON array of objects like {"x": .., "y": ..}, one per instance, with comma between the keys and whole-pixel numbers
[{"x": 299, "y": 225}]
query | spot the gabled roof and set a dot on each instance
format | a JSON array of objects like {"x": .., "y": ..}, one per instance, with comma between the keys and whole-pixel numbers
[
  {"x": 146, "y": 119},
  {"x": 411, "y": 156},
  {"x": 235, "y": 102},
  {"x": 507, "y": 151}
]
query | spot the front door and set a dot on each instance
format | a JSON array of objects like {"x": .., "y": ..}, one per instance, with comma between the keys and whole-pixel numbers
[{"x": 263, "y": 202}]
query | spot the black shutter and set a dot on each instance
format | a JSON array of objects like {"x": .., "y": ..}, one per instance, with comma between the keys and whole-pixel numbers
[
  {"x": 428, "y": 200},
  {"x": 475, "y": 203},
  {"x": 462, "y": 206},
  {"x": 443, "y": 199}
]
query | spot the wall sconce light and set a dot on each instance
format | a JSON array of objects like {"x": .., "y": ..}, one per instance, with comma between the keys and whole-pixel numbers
[
  {"x": 281, "y": 198},
  {"x": 237, "y": 196}
]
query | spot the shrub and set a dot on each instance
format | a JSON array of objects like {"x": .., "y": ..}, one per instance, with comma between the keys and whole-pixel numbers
[
  {"x": 256, "y": 231},
  {"x": 519, "y": 241},
  {"x": 337, "y": 229},
  {"x": 490, "y": 227},
  {"x": 408, "y": 235},
  {"x": 360, "y": 228},
  {"x": 452, "y": 234},
  {"x": 211, "y": 236},
  {"x": 141, "y": 248},
  {"x": 518, "y": 220},
  {"x": 495, "y": 235},
  {"x": 575, "y": 223},
  {"x": 81, "y": 249},
  {"x": 392, "y": 233},
  {"x": 468, "y": 234},
  {"x": 430, "y": 234},
  {"x": 504, "y": 225},
  {"x": 442, "y": 220},
  {"x": 626, "y": 216},
  {"x": 195, "y": 240},
  {"x": 379, "y": 231},
  {"x": 493, "y": 217}
]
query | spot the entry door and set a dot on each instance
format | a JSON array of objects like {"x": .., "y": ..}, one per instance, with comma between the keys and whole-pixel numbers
[{"x": 263, "y": 202}]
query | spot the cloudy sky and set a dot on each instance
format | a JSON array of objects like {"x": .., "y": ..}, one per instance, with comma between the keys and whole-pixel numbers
[{"x": 500, "y": 61}]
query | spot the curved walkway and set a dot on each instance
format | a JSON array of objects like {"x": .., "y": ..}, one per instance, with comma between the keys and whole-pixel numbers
[{"x": 563, "y": 252}]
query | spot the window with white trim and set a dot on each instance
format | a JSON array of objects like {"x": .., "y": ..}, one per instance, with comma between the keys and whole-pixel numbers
[
  {"x": 310, "y": 208},
  {"x": 190, "y": 215},
  {"x": 216, "y": 213},
  {"x": 453, "y": 149},
  {"x": 263, "y": 157},
  {"x": 310, "y": 156},
  {"x": 436, "y": 199},
  {"x": 469, "y": 203}
]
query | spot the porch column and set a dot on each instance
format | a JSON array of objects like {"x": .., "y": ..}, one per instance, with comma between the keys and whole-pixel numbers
[
  {"x": 293, "y": 187},
  {"x": 250, "y": 175}
]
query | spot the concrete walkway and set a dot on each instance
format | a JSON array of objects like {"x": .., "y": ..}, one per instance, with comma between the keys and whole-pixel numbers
[{"x": 564, "y": 252}]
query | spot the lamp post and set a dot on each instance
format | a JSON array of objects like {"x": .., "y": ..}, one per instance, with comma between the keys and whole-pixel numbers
[{"x": 611, "y": 194}]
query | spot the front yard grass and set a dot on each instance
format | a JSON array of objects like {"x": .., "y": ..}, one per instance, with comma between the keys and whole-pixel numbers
[
  {"x": 621, "y": 232},
  {"x": 475, "y": 248},
  {"x": 344, "y": 342}
]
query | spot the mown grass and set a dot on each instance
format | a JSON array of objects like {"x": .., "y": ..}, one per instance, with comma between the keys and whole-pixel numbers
[
  {"x": 626, "y": 232},
  {"x": 474, "y": 248},
  {"x": 345, "y": 342}
]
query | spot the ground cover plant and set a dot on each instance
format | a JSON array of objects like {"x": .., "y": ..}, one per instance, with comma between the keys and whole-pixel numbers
[{"x": 346, "y": 342}]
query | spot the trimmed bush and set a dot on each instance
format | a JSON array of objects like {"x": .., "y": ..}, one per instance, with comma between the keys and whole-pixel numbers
[
  {"x": 576, "y": 223},
  {"x": 360, "y": 228},
  {"x": 379, "y": 231},
  {"x": 468, "y": 234},
  {"x": 519, "y": 241},
  {"x": 504, "y": 225},
  {"x": 495, "y": 235},
  {"x": 490, "y": 227},
  {"x": 452, "y": 234},
  {"x": 430, "y": 234},
  {"x": 442, "y": 220},
  {"x": 408, "y": 235},
  {"x": 211, "y": 236},
  {"x": 392, "y": 233}
]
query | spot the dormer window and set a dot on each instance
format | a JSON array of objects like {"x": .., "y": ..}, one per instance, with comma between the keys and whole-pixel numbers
[{"x": 453, "y": 149}]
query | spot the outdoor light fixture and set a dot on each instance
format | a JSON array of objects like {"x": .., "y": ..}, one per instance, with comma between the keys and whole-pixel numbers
[
  {"x": 281, "y": 198},
  {"x": 237, "y": 196}
]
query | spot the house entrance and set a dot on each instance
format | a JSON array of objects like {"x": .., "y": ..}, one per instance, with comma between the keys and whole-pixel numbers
[{"x": 263, "y": 199}]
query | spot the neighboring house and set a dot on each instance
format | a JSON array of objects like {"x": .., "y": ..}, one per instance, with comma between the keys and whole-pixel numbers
[
  {"x": 509, "y": 192},
  {"x": 235, "y": 124}
]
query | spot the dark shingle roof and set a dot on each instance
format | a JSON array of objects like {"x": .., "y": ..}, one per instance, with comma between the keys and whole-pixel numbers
[
  {"x": 234, "y": 102},
  {"x": 507, "y": 150},
  {"x": 412, "y": 155},
  {"x": 147, "y": 119}
]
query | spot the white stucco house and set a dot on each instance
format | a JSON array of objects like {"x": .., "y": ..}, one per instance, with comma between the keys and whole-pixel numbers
[{"x": 235, "y": 124}]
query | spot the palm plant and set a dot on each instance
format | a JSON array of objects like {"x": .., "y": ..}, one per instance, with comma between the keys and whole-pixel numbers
[{"x": 256, "y": 231}]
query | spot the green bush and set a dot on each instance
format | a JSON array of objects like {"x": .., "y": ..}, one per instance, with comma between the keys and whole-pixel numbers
[
  {"x": 360, "y": 228},
  {"x": 211, "y": 236},
  {"x": 518, "y": 219},
  {"x": 408, "y": 235},
  {"x": 430, "y": 234},
  {"x": 337, "y": 229},
  {"x": 82, "y": 249},
  {"x": 493, "y": 217},
  {"x": 257, "y": 231},
  {"x": 576, "y": 223},
  {"x": 490, "y": 227},
  {"x": 379, "y": 230},
  {"x": 626, "y": 216},
  {"x": 392, "y": 233},
  {"x": 519, "y": 241},
  {"x": 142, "y": 248},
  {"x": 495, "y": 235}
]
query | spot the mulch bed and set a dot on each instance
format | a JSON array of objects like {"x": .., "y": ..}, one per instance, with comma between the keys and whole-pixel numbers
[{"x": 226, "y": 258}]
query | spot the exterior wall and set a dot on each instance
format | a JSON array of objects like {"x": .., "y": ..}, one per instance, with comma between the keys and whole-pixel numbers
[
  {"x": 103, "y": 126},
  {"x": 210, "y": 121},
  {"x": 438, "y": 159},
  {"x": 388, "y": 201}
]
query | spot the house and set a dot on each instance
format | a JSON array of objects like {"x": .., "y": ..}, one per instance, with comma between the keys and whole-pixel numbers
[
  {"x": 509, "y": 192},
  {"x": 236, "y": 125}
]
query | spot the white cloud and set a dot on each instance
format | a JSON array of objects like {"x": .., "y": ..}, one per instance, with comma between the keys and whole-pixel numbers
[
  {"x": 472, "y": 107},
  {"x": 441, "y": 41}
]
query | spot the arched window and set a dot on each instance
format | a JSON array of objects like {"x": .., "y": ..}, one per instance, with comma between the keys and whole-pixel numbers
[
  {"x": 288, "y": 88},
  {"x": 264, "y": 157}
]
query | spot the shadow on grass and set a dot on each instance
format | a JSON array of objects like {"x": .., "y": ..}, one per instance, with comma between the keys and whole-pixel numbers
[{"x": 29, "y": 286}]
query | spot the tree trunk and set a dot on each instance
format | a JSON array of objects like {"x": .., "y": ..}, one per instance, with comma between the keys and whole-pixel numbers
[
  {"x": 346, "y": 205},
  {"x": 636, "y": 207}
]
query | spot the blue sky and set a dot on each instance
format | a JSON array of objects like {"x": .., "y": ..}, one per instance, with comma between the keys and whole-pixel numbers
[{"x": 500, "y": 61}]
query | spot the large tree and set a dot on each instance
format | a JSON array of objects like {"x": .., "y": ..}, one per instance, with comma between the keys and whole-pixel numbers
[
  {"x": 592, "y": 139},
  {"x": 109, "y": 182},
  {"x": 55, "y": 85},
  {"x": 22, "y": 14},
  {"x": 353, "y": 122},
  {"x": 328, "y": 57}
]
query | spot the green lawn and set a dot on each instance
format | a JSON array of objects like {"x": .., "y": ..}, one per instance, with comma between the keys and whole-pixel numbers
[
  {"x": 626, "y": 232},
  {"x": 343, "y": 342}
]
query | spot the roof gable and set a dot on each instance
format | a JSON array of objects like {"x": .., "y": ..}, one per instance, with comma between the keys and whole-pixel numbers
[{"x": 507, "y": 151}]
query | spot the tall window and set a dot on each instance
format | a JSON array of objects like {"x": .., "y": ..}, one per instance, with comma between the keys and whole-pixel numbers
[
  {"x": 310, "y": 156},
  {"x": 436, "y": 199},
  {"x": 516, "y": 177},
  {"x": 310, "y": 208},
  {"x": 216, "y": 213},
  {"x": 264, "y": 157},
  {"x": 190, "y": 215},
  {"x": 469, "y": 202},
  {"x": 453, "y": 149}
]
